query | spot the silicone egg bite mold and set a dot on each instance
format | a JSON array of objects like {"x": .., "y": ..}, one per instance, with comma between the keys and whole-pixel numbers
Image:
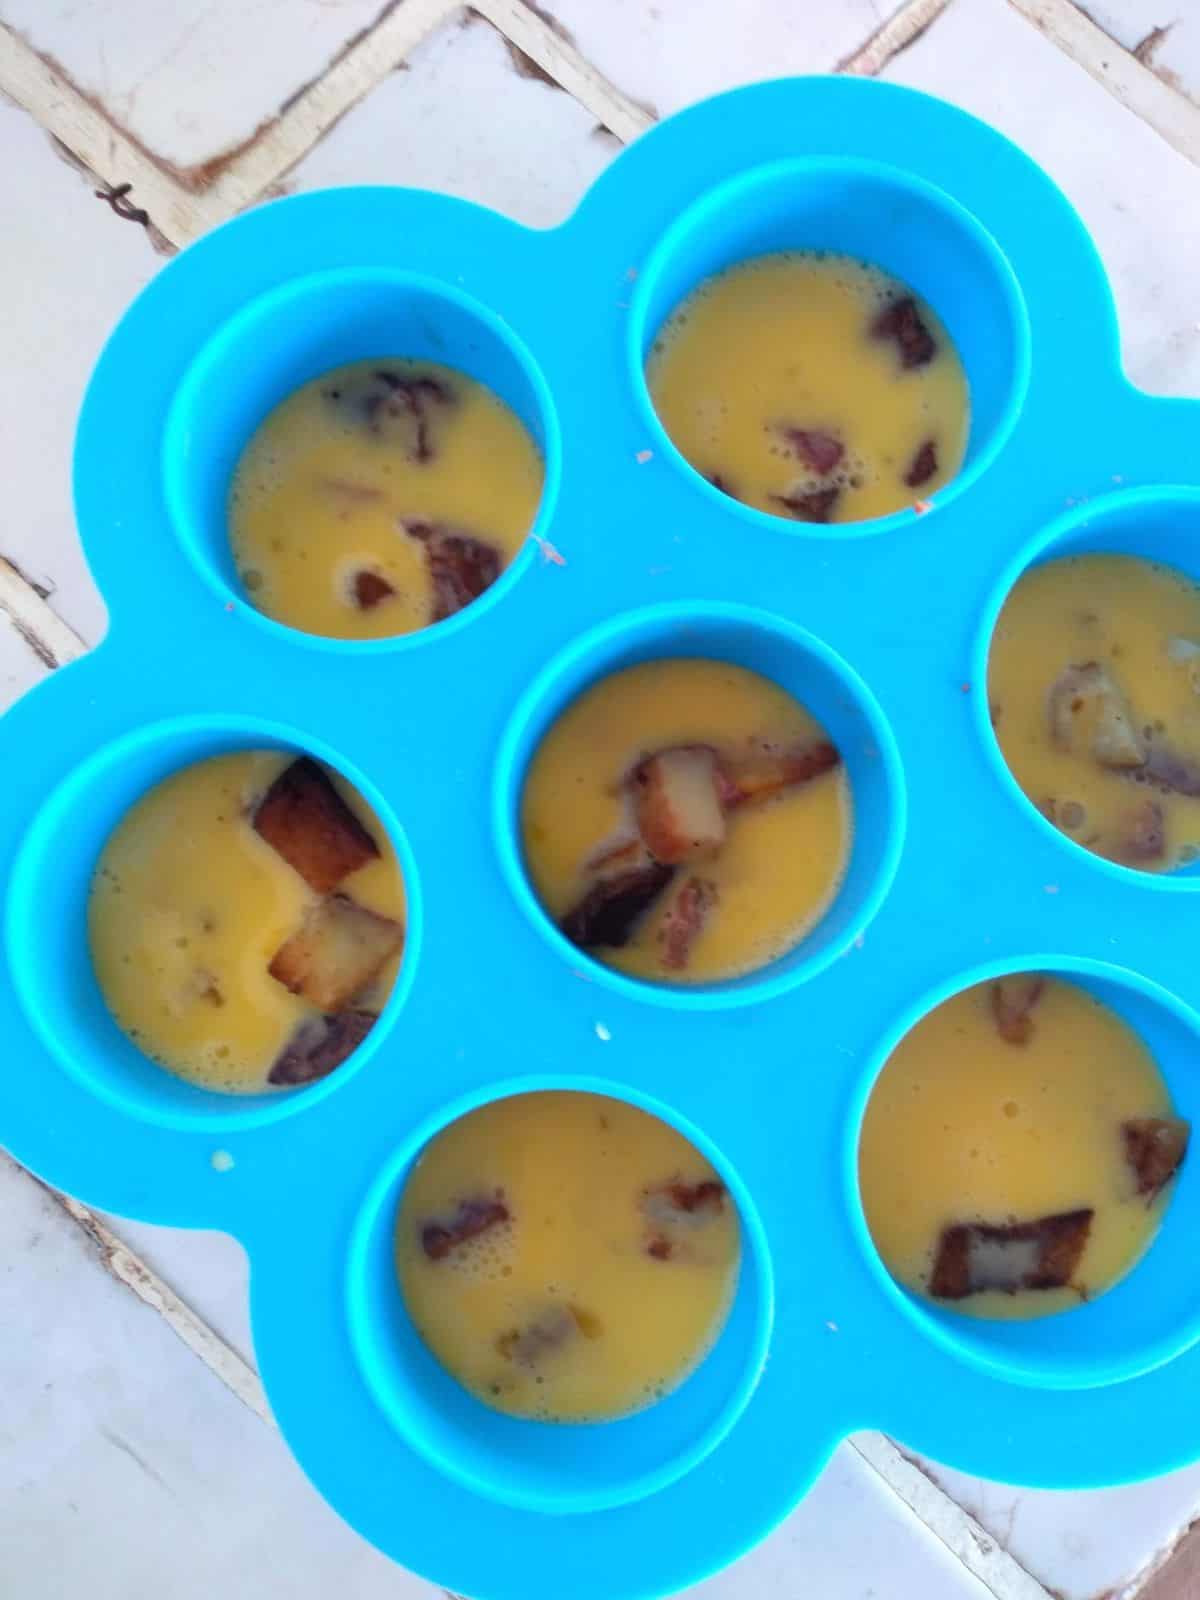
[{"x": 880, "y": 628}]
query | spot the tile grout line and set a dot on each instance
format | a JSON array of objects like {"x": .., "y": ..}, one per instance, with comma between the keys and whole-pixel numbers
[
  {"x": 965, "y": 1538},
  {"x": 36, "y": 621},
  {"x": 56, "y": 103},
  {"x": 523, "y": 27},
  {"x": 132, "y": 1272},
  {"x": 902, "y": 28},
  {"x": 183, "y": 210},
  {"x": 1139, "y": 89}
]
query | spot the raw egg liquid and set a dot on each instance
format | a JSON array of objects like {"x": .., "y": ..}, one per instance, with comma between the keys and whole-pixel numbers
[
  {"x": 964, "y": 1127},
  {"x": 595, "y": 1294},
  {"x": 189, "y": 905},
  {"x": 769, "y": 380},
  {"x": 1138, "y": 624},
  {"x": 329, "y": 485},
  {"x": 782, "y": 861}
]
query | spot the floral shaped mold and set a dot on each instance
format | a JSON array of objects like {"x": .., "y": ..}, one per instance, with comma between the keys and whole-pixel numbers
[{"x": 879, "y": 627}]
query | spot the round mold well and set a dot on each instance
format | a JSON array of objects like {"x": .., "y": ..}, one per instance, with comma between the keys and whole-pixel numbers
[
  {"x": 1159, "y": 524},
  {"x": 879, "y": 215},
  {"x": 46, "y": 924},
  {"x": 539, "y": 1466},
  {"x": 295, "y": 333},
  {"x": 813, "y": 675},
  {"x": 1150, "y": 1315}
]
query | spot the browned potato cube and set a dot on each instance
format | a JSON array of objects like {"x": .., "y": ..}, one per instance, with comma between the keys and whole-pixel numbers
[
  {"x": 335, "y": 952},
  {"x": 305, "y": 819},
  {"x": 319, "y": 1045},
  {"x": 758, "y": 777},
  {"x": 1044, "y": 1254},
  {"x": 678, "y": 803},
  {"x": 1013, "y": 1000},
  {"x": 1154, "y": 1149}
]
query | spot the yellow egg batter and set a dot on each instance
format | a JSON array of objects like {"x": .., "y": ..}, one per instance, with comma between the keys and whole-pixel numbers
[
  {"x": 782, "y": 858},
  {"x": 567, "y": 1257},
  {"x": 334, "y": 495},
  {"x": 812, "y": 386},
  {"x": 1094, "y": 684},
  {"x": 967, "y": 1126},
  {"x": 190, "y": 906}
]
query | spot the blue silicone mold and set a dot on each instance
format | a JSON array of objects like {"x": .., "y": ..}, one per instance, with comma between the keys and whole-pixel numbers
[{"x": 881, "y": 628}]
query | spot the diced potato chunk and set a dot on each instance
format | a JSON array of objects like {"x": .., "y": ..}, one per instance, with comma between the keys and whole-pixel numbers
[
  {"x": 1013, "y": 1000},
  {"x": 1044, "y": 1254},
  {"x": 1088, "y": 712},
  {"x": 305, "y": 819},
  {"x": 678, "y": 803},
  {"x": 319, "y": 1045},
  {"x": 612, "y": 907},
  {"x": 336, "y": 952},
  {"x": 1154, "y": 1149}
]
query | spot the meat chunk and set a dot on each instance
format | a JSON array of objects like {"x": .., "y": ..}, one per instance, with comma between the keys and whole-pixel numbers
[
  {"x": 901, "y": 322},
  {"x": 411, "y": 397},
  {"x": 760, "y": 776},
  {"x": 677, "y": 803},
  {"x": 548, "y": 1332},
  {"x": 817, "y": 449},
  {"x": 1143, "y": 833},
  {"x": 336, "y": 951},
  {"x": 473, "y": 1217},
  {"x": 611, "y": 909},
  {"x": 706, "y": 1195},
  {"x": 923, "y": 465},
  {"x": 1013, "y": 999},
  {"x": 1088, "y": 713},
  {"x": 305, "y": 819},
  {"x": 974, "y": 1256},
  {"x": 677, "y": 1208},
  {"x": 319, "y": 1045},
  {"x": 817, "y": 505},
  {"x": 1154, "y": 1149},
  {"x": 1172, "y": 771},
  {"x": 461, "y": 566},
  {"x": 370, "y": 588},
  {"x": 685, "y": 919}
]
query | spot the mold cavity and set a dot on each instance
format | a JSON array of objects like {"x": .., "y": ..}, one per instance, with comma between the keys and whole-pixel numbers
[
  {"x": 609, "y": 1184},
  {"x": 562, "y": 1257},
  {"x": 812, "y": 386},
  {"x": 360, "y": 455},
  {"x": 233, "y": 921},
  {"x": 1019, "y": 1205},
  {"x": 705, "y": 798},
  {"x": 686, "y": 821},
  {"x": 831, "y": 341},
  {"x": 1094, "y": 666}
]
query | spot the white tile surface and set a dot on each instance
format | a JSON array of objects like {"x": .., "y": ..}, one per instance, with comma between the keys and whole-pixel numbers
[
  {"x": 850, "y": 1540},
  {"x": 1174, "y": 53},
  {"x": 676, "y": 51},
  {"x": 92, "y": 1382},
  {"x": 68, "y": 267},
  {"x": 208, "y": 1271},
  {"x": 462, "y": 119},
  {"x": 190, "y": 81},
  {"x": 126, "y": 1470},
  {"x": 1083, "y": 1546},
  {"x": 1136, "y": 194}
]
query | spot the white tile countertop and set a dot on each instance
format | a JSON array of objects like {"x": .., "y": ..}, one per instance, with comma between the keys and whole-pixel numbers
[{"x": 136, "y": 1455}]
